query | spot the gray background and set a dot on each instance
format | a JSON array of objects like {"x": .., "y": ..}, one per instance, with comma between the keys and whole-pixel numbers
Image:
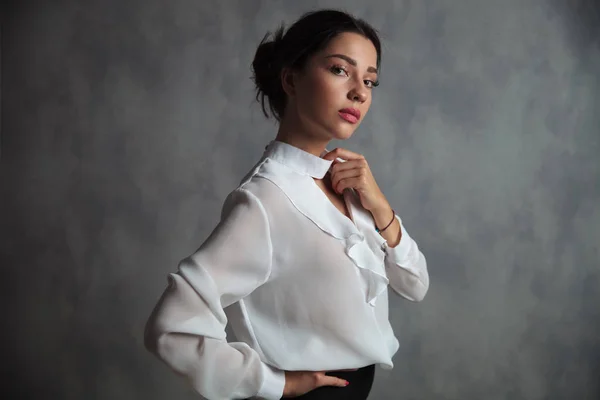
[{"x": 126, "y": 123}]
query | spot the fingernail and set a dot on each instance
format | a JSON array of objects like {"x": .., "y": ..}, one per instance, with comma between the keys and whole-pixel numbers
[{"x": 347, "y": 383}]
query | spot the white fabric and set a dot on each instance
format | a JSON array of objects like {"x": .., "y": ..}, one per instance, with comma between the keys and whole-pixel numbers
[{"x": 303, "y": 286}]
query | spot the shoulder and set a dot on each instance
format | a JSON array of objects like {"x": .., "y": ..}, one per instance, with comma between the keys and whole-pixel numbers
[
  {"x": 268, "y": 186},
  {"x": 265, "y": 181},
  {"x": 261, "y": 189}
]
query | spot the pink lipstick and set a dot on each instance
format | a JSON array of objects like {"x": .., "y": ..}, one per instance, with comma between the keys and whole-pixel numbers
[{"x": 351, "y": 115}]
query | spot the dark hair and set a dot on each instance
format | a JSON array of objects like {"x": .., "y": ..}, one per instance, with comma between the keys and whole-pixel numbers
[{"x": 311, "y": 33}]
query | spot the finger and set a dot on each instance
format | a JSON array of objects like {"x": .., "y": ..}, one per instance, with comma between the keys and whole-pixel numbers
[
  {"x": 355, "y": 183},
  {"x": 342, "y": 153},
  {"x": 360, "y": 163},
  {"x": 326, "y": 380},
  {"x": 339, "y": 176},
  {"x": 334, "y": 163}
]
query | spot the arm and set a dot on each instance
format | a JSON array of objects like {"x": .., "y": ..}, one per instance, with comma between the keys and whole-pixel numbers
[
  {"x": 406, "y": 266},
  {"x": 187, "y": 327}
]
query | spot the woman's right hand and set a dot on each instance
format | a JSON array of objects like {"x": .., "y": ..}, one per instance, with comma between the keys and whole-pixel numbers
[{"x": 298, "y": 383}]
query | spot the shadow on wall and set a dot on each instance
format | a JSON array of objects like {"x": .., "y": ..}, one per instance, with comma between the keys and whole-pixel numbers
[{"x": 582, "y": 20}]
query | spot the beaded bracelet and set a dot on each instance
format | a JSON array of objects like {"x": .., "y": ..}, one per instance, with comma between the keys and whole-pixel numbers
[{"x": 388, "y": 225}]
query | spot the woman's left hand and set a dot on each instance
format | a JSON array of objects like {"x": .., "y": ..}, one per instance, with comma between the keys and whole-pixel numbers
[{"x": 355, "y": 173}]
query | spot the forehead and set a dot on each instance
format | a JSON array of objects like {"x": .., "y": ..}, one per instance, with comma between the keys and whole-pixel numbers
[{"x": 355, "y": 46}]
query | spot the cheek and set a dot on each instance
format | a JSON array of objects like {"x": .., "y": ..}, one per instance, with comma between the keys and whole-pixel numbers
[
  {"x": 367, "y": 105},
  {"x": 318, "y": 95},
  {"x": 332, "y": 91}
]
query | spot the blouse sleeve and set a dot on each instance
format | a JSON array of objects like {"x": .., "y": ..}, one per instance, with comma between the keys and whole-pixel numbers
[
  {"x": 186, "y": 330},
  {"x": 406, "y": 267}
]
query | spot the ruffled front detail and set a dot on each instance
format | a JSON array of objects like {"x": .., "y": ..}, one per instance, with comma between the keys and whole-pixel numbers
[
  {"x": 309, "y": 200},
  {"x": 370, "y": 267}
]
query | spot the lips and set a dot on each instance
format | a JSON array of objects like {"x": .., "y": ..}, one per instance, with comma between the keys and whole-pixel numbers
[{"x": 351, "y": 115}]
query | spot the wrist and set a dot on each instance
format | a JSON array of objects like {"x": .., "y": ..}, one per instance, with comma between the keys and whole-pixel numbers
[
  {"x": 288, "y": 390},
  {"x": 384, "y": 220},
  {"x": 381, "y": 214}
]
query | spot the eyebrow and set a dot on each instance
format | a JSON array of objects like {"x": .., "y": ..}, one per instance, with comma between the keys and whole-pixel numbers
[{"x": 351, "y": 61}]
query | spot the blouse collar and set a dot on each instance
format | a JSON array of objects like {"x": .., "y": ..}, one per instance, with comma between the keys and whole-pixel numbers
[{"x": 298, "y": 160}]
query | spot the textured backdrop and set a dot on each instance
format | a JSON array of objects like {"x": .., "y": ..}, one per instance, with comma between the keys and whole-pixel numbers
[{"x": 126, "y": 123}]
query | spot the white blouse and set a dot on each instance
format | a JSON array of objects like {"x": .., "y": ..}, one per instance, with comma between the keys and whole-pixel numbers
[{"x": 303, "y": 286}]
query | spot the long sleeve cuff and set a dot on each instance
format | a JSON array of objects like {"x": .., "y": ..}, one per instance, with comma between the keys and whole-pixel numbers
[
  {"x": 402, "y": 253},
  {"x": 273, "y": 383},
  {"x": 407, "y": 267}
]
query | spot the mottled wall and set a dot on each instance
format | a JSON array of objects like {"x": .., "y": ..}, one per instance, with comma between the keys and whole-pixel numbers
[{"x": 126, "y": 123}]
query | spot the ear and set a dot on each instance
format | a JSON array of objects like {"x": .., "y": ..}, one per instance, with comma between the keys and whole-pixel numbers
[{"x": 288, "y": 81}]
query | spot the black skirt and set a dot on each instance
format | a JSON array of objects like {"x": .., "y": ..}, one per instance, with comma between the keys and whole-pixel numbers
[{"x": 360, "y": 385}]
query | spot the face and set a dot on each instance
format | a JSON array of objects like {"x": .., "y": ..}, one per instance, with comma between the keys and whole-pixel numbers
[{"x": 333, "y": 93}]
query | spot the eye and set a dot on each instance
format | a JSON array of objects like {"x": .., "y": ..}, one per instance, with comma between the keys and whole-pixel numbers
[
  {"x": 339, "y": 70},
  {"x": 371, "y": 84}
]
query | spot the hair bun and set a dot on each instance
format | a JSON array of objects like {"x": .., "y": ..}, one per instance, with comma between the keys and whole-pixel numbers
[
  {"x": 264, "y": 65},
  {"x": 267, "y": 64}
]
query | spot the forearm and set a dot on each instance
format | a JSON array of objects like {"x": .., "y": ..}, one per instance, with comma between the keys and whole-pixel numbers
[
  {"x": 190, "y": 338},
  {"x": 407, "y": 267}
]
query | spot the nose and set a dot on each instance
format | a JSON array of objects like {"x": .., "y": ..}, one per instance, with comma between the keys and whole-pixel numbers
[{"x": 358, "y": 93}]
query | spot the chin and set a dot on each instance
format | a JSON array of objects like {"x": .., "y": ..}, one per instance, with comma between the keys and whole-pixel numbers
[
  {"x": 342, "y": 136},
  {"x": 343, "y": 132},
  {"x": 334, "y": 130}
]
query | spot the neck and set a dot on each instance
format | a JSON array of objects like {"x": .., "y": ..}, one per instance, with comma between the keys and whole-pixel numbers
[{"x": 293, "y": 133}]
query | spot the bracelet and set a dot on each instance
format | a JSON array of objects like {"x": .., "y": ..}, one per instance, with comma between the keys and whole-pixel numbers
[{"x": 388, "y": 225}]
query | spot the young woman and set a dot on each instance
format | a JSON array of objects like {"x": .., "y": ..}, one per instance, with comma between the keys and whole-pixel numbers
[{"x": 307, "y": 244}]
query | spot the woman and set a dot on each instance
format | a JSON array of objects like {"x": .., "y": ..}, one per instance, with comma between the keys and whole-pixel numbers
[{"x": 300, "y": 262}]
